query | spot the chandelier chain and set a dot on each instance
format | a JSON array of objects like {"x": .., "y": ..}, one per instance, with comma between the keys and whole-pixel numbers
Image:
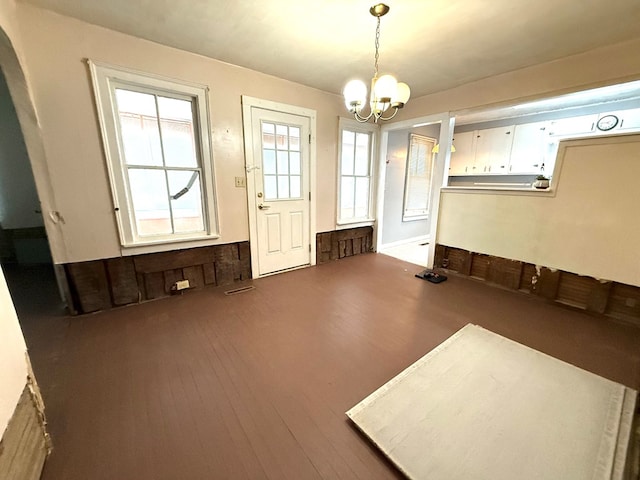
[{"x": 375, "y": 68}]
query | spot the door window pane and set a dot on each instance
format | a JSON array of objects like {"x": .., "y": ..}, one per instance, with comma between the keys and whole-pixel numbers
[
  {"x": 270, "y": 187},
  {"x": 269, "y": 162},
  {"x": 283, "y": 163},
  {"x": 294, "y": 163},
  {"x": 295, "y": 186},
  {"x": 294, "y": 139},
  {"x": 283, "y": 186},
  {"x": 268, "y": 135},
  {"x": 282, "y": 137}
]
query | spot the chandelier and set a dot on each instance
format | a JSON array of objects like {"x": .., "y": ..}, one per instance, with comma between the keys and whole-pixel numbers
[{"x": 386, "y": 91}]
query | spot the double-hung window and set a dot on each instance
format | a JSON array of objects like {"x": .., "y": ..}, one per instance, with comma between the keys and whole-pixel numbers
[
  {"x": 355, "y": 172},
  {"x": 417, "y": 187},
  {"x": 155, "y": 133}
]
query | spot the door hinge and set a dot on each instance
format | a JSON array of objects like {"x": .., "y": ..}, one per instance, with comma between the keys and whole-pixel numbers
[
  {"x": 309, "y": 139},
  {"x": 309, "y": 196},
  {"x": 309, "y": 247}
]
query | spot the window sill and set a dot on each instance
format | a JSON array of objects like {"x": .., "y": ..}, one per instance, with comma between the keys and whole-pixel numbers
[
  {"x": 167, "y": 245},
  {"x": 358, "y": 223}
]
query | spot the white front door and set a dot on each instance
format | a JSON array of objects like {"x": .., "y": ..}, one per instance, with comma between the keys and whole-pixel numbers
[{"x": 278, "y": 187}]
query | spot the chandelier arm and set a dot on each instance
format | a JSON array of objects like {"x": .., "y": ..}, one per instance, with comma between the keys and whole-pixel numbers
[
  {"x": 362, "y": 119},
  {"x": 395, "y": 112}
]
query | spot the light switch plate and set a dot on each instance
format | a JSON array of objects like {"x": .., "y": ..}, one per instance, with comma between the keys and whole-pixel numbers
[{"x": 241, "y": 182}]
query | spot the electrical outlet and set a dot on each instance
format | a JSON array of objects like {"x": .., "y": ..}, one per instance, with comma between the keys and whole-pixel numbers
[
  {"x": 241, "y": 182},
  {"x": 182, "y": 284}
]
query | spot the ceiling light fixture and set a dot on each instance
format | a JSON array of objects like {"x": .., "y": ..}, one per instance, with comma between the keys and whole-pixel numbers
[{"x": 386, "y": 91}]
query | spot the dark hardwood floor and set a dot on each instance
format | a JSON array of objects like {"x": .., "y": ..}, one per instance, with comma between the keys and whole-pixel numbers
[{"x": 255, "y": 385}]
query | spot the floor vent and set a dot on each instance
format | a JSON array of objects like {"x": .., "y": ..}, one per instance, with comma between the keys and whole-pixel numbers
[{"x": 236, "y": 291}]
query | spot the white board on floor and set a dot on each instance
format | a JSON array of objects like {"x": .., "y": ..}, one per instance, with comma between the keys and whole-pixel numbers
[{"x": 483, "y": 407}]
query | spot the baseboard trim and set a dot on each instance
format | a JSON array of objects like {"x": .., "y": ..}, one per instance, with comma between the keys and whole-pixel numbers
[{"x": 421, "y": 239}]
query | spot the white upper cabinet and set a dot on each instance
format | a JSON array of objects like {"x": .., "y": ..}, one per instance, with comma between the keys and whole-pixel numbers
[
  {"x": 573, "y": 125},
  {"x": 529, "y": 151},
  {"x": 493, "y": 148},
  {"x": 463, "y": 158},
  {"x": 629, "y": 119}
]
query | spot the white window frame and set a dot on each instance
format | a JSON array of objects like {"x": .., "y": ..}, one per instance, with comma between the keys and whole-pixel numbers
[
  {"x": 372, "y": 130},
  {"x": 423, "y": 214},
  {"x": 106, "y": 79}
]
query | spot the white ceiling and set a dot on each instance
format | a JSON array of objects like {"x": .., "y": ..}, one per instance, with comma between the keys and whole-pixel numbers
[{"x": 432, "y": 45}]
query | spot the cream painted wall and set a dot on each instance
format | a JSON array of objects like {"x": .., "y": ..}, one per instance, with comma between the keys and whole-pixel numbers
[
  {"x": 590, "y": 227},
  {"x": 55, "y": 48},
  {"x": 13, "y": 363},
  {"x": 604, "y": 66}
]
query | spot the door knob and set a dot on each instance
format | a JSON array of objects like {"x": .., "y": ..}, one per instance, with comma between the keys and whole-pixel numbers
[{"x": 263, "y": 207}]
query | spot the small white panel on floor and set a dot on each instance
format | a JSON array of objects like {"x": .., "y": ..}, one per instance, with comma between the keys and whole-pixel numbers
[{"x": 483, "y": 407}]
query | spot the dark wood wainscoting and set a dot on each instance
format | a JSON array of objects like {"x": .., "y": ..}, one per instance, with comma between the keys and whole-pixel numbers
[
  {"x": 103, "y": 284},
  {"x": 343, "y": 243},
  {"x": 603, "y": 297}
]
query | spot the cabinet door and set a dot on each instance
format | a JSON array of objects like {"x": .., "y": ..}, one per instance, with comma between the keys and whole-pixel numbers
[
  {"x": 493, "y": 149},
  {"x": 573, "y": 126},
  {"x": 629, "y": 119},
  {"x": 462, "y": 159},
  {"x": 530, "y": 141}
]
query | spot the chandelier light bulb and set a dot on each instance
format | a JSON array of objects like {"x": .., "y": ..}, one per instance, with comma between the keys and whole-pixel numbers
[
  {"x": 403, "y": 92},
  {"x": 355, "y": 95},
  {"x": 385, "y": 88}
]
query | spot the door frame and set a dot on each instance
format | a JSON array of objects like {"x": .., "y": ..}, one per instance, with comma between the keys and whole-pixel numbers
[
  {"x": 247, "y": 104},
  {"x": 439, "y": 178}
]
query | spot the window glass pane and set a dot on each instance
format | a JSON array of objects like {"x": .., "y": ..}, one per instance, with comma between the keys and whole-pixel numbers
[
  {"x": 269, "y": 162},
  {"x": 270, "y": 187},
  {"x": 348, "y": 139},
  {"x": 268, "y": 135},
  {"x": 418, "y": 182},
  {"x": 295, "y": 186},
  {"x": 362, "y": 154},
  {"x": 362, "y": 198},
  {"x": 294, "y": 138},
  {"x": 294, "y": 163},
  {"x": 139, "y": 128},
  {"x": 187, "y": 208},
  {"x": 283, "y": 163},
  {"x": 282, "y": 137},
  {"x": 347, "y": 193},
  {"x": 283, "y": 186},
  {"x": 150, "y": 201},
  {"x": 178, "y": 140}
]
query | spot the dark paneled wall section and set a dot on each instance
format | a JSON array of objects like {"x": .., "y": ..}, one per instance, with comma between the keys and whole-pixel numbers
[
  {"x": 103, "y": 284},
  {"x": 612, "y": 299},
  {"x": 343, "y": 243}
]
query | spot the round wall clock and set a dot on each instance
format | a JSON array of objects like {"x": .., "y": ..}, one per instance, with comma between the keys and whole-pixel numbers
[{"x": 607, "y": 122}]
